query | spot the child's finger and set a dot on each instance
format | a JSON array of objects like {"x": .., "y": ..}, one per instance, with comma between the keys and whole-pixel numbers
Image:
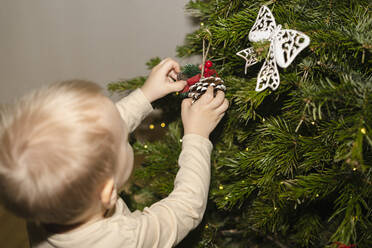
[
  {"x": 220, "y": 116},
  {"x": 177, "y": 86},
  {"x": 223, "y": 107},
  {"x": 218, "y": 100},
  {"x": 173, "y": 75},
  {"x": 207, "y": 97},
  {"x": 168, "y": 65},
  {"x": 186, "y": 104},
  {"x": 163, "y": 61},
  {"x": 170, "y": 80}
]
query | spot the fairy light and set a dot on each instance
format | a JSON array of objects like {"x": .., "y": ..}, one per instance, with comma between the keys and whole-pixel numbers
[
  {"x": 220, "y": 187},
  {"x": 145, "y": 146},
  {"x": 363, "y": 130},
  {"x": 354, "y": 169},
  {"x": 246, "y": 149},
  {"x": 180, "y": 140},
  {"x": 151, "y": 126},
  {"x": 317, "y": 195},
  {"x": 313, "y": 123},
  {"x": 162, "y": 124},
  {"x": 226, "y": 198},
  {"x": 206, "y": 226},
  {"x": 177, "y": 93}
]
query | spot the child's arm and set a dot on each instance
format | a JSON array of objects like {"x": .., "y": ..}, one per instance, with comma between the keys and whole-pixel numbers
[
  {"x": 135, "y": 107},
  {"x": 168, "y": 221}
]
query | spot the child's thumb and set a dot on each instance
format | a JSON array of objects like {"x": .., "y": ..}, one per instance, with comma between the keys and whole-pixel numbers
[
  {"x": 178, "y": 85},
  {"x": 186, "y": 104}
]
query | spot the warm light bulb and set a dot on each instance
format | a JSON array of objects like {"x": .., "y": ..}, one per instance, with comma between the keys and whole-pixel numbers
[
  {"x": 151, "y": 126},
  {"x": 162, "y": 124}
]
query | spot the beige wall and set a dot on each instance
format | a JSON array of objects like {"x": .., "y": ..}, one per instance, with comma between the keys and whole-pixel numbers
[{"x": 43, "y": 41}]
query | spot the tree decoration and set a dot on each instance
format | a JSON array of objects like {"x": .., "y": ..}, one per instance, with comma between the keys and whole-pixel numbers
[
  {"x": 201, "y": 87},
  {"x": 192, "y": 74},
  {"x": 341, "y": 245},
  {"x": 208, "y": 64},
  {"x": 197, "y": 84},
  {"x": 285, "y": 44}
]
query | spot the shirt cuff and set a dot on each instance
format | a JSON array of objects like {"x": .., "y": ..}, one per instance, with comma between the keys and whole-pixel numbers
[
  {"x": 142, "y": 100},
  {"x": 197, "y": 140},
  {"x": 134, "y": 108}
]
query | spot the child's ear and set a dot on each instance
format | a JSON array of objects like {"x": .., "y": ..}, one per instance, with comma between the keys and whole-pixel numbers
[{"x": 109, "y": 194}]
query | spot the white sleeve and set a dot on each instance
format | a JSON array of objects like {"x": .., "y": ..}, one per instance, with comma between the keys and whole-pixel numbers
[
  {"x": 168, "y": 221},
  {"x": 134, "y": 108}
]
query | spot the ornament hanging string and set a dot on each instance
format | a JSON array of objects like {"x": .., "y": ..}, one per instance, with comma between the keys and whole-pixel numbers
[
  {"x": 199, "y": 83},
  {"x": 205, "y": 52}
]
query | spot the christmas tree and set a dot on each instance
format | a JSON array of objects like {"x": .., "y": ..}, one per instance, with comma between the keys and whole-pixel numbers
[{"x": 291, "y": 167}]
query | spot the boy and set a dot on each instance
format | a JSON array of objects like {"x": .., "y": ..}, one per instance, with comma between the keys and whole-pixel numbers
[{"x": 64, "y": 152}]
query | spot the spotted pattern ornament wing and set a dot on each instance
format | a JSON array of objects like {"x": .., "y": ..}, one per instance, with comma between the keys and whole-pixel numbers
[
  {"x": 269, "y": 74},
  {"x": 288, "y": 44},
  {"x": 263, "y": 26},
  {"x": 250, "y": 57}
]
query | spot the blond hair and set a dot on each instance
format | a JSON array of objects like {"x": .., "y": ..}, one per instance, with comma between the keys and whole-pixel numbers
[{"x": 55, "y": 154}]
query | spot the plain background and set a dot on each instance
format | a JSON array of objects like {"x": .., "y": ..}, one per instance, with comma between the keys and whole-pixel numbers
[{"x": 44, "y": 41}]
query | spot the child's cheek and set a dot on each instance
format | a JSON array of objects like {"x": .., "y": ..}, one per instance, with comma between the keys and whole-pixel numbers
[
  {"x": 130, "y": 159},
  {"x": 125, "y": 165}
]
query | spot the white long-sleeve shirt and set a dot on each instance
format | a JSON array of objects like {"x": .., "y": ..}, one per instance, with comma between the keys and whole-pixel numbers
[{"x": 165, "y": 223}]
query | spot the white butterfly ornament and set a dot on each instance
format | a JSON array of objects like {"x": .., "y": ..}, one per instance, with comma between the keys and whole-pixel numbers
[{"x": 285, "y": 44}]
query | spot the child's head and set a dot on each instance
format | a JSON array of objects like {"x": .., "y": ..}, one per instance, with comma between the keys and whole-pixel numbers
[{"x": 59, "y": 147}]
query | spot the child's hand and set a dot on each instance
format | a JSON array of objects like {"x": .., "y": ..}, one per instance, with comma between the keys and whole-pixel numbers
[
  {"x": 161, "y": 80},
  {"x": 204, "y": 115}
]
